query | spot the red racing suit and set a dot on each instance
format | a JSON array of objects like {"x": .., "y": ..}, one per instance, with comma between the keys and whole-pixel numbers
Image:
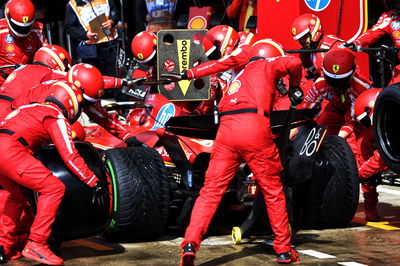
[
  {"x": 20, "y": 81},
  {"x": 236, "y": 60},
  {"x": 337, "y": 113},
  {"x": 369, "y": 161},
  {"x": 15, "y": 50},
  {"x": 21, "y": 133},
  {"x": 386, "y": 25},
  {"x": 246, "y": 135},
  {"x": 31, "y": 83}
]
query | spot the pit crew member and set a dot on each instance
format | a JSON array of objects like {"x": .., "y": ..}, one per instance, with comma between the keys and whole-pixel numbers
[
  {"x": 244, "y": 133},
  {"x": 20, "y": 35},
  {"x": 21, "y": 133}
]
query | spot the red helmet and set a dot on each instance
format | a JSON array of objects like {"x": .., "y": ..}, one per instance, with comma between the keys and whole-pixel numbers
[
  {"x": 266, "y": 48},
  {"x": 144, "y": 46},
  {"x": 364, "y": 106},
  {"x": 20, "y": 15},
  {"x": 307, "y": 23},
  {"x": 223, "y": 38},
  {"x": 54, "y": 56},
  {"x": 247, "y": 38},
  {"x": 339, "y": 66},
  {"x": 89, "y": 79},
  {"x": 68, "y": 98},
  {"x": 78, "y": 132}
]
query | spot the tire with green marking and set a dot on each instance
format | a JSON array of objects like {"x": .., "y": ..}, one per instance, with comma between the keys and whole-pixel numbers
[{"x": 140, "y": 194}]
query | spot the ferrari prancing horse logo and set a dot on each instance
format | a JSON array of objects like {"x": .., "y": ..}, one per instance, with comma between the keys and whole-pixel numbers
[
  {"x": 335, "y": 68},
  {"x": 25, "y": 19}
]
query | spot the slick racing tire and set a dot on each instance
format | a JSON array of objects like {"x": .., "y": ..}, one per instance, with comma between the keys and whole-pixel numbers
[
  {"x": 332, "y": 193},
  {"x": 386, "y": 126},
  {"x": 141, "y": 192}
]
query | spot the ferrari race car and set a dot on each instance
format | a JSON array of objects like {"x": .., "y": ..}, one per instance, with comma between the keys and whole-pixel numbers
[{"x": 320, "y": 178}]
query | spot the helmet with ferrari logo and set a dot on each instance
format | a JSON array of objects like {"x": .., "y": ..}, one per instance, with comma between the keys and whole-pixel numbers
[
  {"x": 89, "y": 79},
  {"x": 53, "y": 56},
  {"x": 219, "y": 41},
  {"x": 339, "y": 66},
  {"x": 307, "y": 30},
  {"x": 20, "y": 16},
  {"x": 266, "y": 48},
  {"x": 364, "y": 106},
  {"x": 144, "y": 46},
  {"x": 247, "y": 38},
  {"x": 68, "y": 98}
]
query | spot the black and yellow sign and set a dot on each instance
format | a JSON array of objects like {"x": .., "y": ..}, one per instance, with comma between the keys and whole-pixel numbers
[{"x": 180, "y": 50}]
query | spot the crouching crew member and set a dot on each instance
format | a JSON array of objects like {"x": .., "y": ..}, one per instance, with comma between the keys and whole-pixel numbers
[{"x": 21, "y": 133}]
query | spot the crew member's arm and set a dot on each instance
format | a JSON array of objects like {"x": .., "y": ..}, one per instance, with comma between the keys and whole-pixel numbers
[
  {"x": 101, "y": 117},
  {"x": 60, "y": 132},
  {"x": 238, "y": 58},
  {"x": 376, "y": 32}
]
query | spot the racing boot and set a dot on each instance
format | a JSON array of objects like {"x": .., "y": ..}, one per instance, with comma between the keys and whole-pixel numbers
[
  {"x": 188, "y": 255},
  {"x": 288, "y": 257},
  {"x": 371, "y": 213},
  {"x": 41, "y": 253},
  {"x": 370, "y": 200}
]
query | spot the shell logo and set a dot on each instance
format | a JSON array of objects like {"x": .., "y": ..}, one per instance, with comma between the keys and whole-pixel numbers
[
  {"x": 312, "y": 21},
  {"x": 79, "y": 98},
  {"x": 73, "y": 134},
  {"x": 396, "y": 34},
  {"x": 335, "y": 68},
  {"x": 10, "y": 48},
  {"x": 61, "y": 55},
  {"x": 198, "y": 22},
  {"x": 234, "y": 87}
]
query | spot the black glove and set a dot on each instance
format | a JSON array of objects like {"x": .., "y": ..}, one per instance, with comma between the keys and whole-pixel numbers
[
  {"x": 130, "y": 82},
  {"x": 100, "y": 193},
  {"x": 352, "y": 46},
  {"x": 134, "y": 142},
  {"x": 296, "y": 95},
  {"x": 175, "y": 77}
]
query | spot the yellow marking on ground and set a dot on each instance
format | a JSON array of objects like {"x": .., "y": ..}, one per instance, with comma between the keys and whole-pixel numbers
[
  {"x": 383, "y": 225},
  {"x": 91, "y": 244}
]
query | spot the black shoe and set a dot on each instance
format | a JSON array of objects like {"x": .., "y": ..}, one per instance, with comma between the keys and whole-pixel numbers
[
  {"x": 3, "y": 258},
  {"x": 188, "y": 255}
]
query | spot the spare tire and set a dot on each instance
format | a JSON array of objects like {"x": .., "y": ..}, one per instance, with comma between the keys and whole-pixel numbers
[
  {"x": 386, "y": 126},
  {"x": 141, "y": 192},
  {"x": 332, "y": 193}
]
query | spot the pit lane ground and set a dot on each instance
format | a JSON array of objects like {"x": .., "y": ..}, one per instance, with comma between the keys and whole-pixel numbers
[{"x": 357, "y": 244}]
